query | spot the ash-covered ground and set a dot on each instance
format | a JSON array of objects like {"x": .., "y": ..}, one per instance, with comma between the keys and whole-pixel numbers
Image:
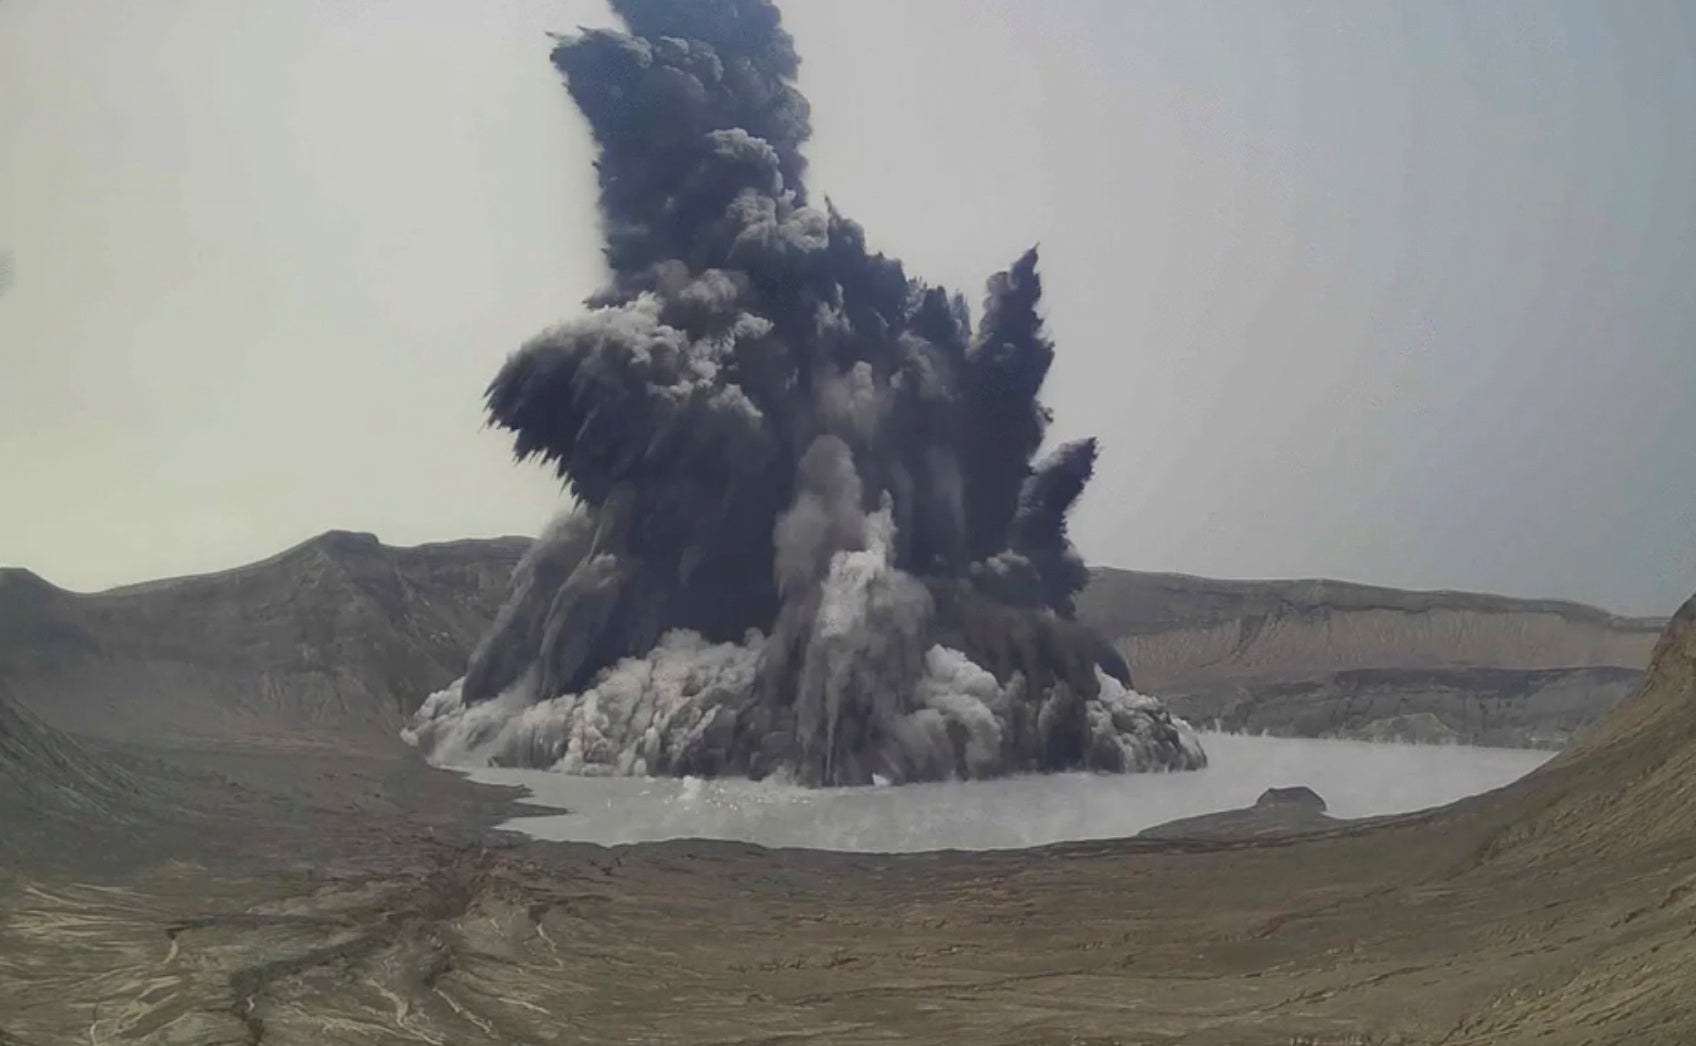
[{"x": 294, "y": 897}]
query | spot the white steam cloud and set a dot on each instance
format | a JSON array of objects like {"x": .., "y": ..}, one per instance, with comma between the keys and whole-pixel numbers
[{"x": 647, "y": 714}]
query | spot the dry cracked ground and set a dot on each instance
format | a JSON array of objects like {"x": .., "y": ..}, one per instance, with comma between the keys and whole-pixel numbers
[{"x": 256, "y": 895}]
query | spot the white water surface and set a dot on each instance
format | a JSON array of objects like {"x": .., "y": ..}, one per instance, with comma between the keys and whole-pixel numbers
[{"x": 1356, "y": 779}]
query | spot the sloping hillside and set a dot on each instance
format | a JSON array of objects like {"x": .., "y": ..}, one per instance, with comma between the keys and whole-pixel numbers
[
  {"x": 1557, "y": 911},
  {"x": 54, "y": 791},
  {"x": 1331, "y": 658},
  {"x": 340, "y": 637},
  {"x": 1174, "y": 628},
  {"x": 1509, "y": 707},
  {"x": 1630, "y": 784},
  {"x": 334, "y": 640}
]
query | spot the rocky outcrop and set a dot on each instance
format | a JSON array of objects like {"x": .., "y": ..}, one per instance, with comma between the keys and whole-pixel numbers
[
  {"x": 337, "y": 639},
  {"x": 1278, "y": 813},
  {"x": 1334, "y": 659}
]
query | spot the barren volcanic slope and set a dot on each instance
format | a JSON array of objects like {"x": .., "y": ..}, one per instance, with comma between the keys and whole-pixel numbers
[
  {"x": 1556, "y": 911},
  {"x": 52, "y": 789},
  {"x": 332, "y": 642},
  {"x": 342, "y": 637},
  {"x": 1330, "y": 658}
]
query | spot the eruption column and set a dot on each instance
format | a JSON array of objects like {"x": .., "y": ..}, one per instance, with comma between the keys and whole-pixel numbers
[{"x": 808, "y": 538}]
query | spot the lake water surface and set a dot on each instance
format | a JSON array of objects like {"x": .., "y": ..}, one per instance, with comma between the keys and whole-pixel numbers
[{"x": 1356, "y": 778}]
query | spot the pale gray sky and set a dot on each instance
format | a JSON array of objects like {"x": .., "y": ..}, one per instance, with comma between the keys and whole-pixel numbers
[{"x": 1394, "y": 293}]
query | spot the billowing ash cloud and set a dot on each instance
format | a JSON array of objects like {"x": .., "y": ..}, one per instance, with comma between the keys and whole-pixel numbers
[{"x": 809, "y": 537}]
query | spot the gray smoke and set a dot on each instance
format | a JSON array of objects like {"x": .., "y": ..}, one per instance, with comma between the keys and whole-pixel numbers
[{"x": 809, "y": 539}]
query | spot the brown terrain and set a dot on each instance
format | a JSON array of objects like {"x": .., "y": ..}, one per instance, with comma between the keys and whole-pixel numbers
[
  {"x": 1335, "y": 659},
  {"x": 333, "y": 642},
  {"x": 329, "y": 644},
  {"x": 212, "y": 836}
]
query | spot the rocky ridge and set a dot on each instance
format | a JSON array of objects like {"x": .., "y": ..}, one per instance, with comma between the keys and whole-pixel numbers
[
  {"x": 332, "y": 642},
  {"x": 341, "y": 637},
  {"x": 1320, "y": 658}
]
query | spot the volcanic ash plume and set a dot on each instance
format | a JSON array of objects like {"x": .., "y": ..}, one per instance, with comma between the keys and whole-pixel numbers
[{"x": 809, "y": 539}]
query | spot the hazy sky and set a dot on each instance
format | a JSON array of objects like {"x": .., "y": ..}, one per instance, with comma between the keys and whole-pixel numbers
[{"x": 1395, "y": 293}]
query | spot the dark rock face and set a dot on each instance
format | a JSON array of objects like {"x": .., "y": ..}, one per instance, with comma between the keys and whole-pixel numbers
[
  {"x": 1295, "y": 795},
  {"x": 1279, "y": 812}
]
